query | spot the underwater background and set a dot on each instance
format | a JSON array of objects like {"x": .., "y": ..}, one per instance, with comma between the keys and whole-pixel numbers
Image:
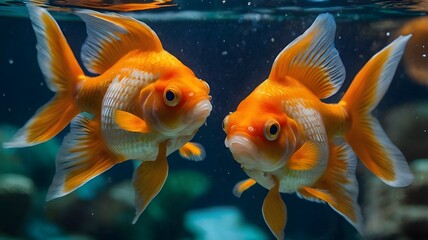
[{"x": 231, "y": 45}]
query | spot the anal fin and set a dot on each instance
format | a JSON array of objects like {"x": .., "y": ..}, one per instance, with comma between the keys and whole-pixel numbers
[
  {"x": 83, "y": 156},
  {"x": 318, "y": 193},
  {"x": 338, "y": 186}
]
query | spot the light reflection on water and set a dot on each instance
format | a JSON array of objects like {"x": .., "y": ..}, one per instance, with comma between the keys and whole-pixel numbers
[{"x": 167, "y": 10}]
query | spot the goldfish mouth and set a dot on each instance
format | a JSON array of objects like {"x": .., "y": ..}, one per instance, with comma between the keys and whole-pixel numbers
[
  {"x": 250, "y": 156},
  {"x": 202, "y": 110},
  {"x": 244, "y": 151},
  {"x": 196, "y": 118},
  {"x": 187, "y": 124}
]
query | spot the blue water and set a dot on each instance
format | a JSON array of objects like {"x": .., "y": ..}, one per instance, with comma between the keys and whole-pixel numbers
[{"x": 232, "y": 47}]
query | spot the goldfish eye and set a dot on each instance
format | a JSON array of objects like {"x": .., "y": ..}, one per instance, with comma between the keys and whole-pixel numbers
[
  {"x": 171, "y": 97},
  {"x": 271, "y": 130},
  {"x": 224, "y": 124}
]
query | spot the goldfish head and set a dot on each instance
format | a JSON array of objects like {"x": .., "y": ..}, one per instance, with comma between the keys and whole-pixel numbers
[
  {"x": 176, "y": 104},
  {"x": 260, "y": 136}
]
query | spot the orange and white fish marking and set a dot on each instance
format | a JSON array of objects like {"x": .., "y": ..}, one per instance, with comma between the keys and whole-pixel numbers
[
  {"x": 143, "y": 104},
  {"x": 287, "y": 140}
]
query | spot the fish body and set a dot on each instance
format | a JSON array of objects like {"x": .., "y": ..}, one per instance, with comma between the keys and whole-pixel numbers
[
  {"x": 304, "y": 117},
  {"x": 142, "y": 103},
  {"x": 288, "y": 140},
  {"x": 132, "y": 88},
  {"x": 298, "y": 114}
]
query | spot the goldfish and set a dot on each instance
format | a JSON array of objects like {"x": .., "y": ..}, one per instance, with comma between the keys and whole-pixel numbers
[
  {"x": 415, "y": 56},
  {"x": 142, "y": 103},
  {"x": 103, "y": 5},
  {"x": 289, "y": 141}
]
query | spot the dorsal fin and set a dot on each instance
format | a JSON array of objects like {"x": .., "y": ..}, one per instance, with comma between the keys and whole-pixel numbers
[
  {"x": 112, "y": 36},
  {"x": 312, "y": 59}
]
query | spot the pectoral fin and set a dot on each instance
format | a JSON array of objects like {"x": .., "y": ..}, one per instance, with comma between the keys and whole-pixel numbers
[
  {"x": 306, "y": 157},
  {"x": 149, "y": 179},
  {"x": 242, "y": 186},
  {"x": 275, "y": 212},
  {"x": 129, "y": 122},
  {"x": 192, "y": 151}
]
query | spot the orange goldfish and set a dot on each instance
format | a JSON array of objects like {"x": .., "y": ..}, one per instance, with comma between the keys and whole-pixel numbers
[
  {"x": 143, "y": 104},
  {"x": 415, "y": 57},
  {"x": 102, "y": 4},
  {"x": 287, "y": 140}
]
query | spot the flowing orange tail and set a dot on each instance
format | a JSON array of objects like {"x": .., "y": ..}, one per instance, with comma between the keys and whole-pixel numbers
[
  {"x": 61, "y": 72},
  {"x": 366, "y": 136}
]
